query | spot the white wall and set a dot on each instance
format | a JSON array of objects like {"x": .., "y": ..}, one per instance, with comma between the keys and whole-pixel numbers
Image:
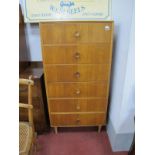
[
  {"x": 122, "y": 12},
  {"x": 33, "y": 40},
  {"x": 121, "y": 116},
  {"x": 127, "y": 111}
]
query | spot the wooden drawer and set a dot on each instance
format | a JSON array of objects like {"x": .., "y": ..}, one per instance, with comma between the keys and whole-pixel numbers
[
  {"x": 78, "y": 119},
  {"x": 77, "y": 105},
  {"x": 81, "y": 89},
  {"x": 75, "y": 73},
  {"x": 84, "y": 54},
  {"x": 70, "y": 33}
]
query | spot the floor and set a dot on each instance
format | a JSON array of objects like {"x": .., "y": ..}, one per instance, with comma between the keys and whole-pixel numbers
[{"x": 75, "y": 142}]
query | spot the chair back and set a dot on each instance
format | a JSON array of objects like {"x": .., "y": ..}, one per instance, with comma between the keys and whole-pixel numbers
[{"x": 29, "y": 82}]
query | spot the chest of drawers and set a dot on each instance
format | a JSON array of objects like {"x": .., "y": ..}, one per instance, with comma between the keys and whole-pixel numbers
[{"x": 77, "y": 65}]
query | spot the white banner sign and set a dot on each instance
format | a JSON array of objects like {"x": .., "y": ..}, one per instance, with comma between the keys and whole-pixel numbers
[{"x": 66, "y": 10}]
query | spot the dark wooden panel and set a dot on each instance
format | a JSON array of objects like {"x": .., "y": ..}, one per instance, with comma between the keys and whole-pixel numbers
[{"x": 39, "y": 102}]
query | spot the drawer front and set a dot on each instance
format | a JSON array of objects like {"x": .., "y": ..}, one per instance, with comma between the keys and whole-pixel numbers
[
  {"x": 77, "y": 105},
  {"x": 85, "y": 54},
  {"x": 83, "y": 89},
  {"x": 78, "y": 119},
  {"x": 75, "y": 73},
  {"x": 68, "y": 33}
]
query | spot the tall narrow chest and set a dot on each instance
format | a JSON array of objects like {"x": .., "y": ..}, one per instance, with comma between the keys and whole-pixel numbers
[{"x": 77, "y": 64}]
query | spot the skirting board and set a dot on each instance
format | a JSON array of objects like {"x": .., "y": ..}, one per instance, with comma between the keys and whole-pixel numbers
[{"x": 119, "y": 141}]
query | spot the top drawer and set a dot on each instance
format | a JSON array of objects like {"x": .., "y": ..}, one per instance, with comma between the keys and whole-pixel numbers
[{"x": 72, "y": 33}]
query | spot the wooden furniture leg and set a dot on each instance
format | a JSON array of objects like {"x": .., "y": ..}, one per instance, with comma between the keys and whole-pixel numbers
[
  {"x": 99, "y": 128},
  {"x": 55, "y": 130}
]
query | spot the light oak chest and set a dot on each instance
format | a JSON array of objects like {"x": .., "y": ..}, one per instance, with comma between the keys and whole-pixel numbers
[{"x": 77, "y": 65}]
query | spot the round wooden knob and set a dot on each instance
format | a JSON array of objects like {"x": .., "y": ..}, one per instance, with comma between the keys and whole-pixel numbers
[
  {"x": 78, "y": 107},
  {"x": 78, "y": 92},
  {"x": 77, "y": 74},
  {"x": 77, "y": 34},
  {"x": 77, "y": 55},
  {"x": 77, "y": 120}
]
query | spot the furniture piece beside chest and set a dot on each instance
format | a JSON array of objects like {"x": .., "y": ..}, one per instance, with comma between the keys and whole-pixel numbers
[
  {"x": 39, "y": 102},
  {"x": 77, "y": 63}
]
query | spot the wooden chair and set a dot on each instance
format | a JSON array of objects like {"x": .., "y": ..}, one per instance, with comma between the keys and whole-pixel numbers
[{"x": 26, "y": 129}]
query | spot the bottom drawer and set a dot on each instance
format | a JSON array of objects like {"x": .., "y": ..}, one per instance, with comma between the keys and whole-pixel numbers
[{"x": 77, "y": 119}]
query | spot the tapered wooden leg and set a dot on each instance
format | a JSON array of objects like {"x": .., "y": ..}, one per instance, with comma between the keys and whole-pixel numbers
[
  {"x": 99, "y": 128},
  {"x": 55, "y": 130}
]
